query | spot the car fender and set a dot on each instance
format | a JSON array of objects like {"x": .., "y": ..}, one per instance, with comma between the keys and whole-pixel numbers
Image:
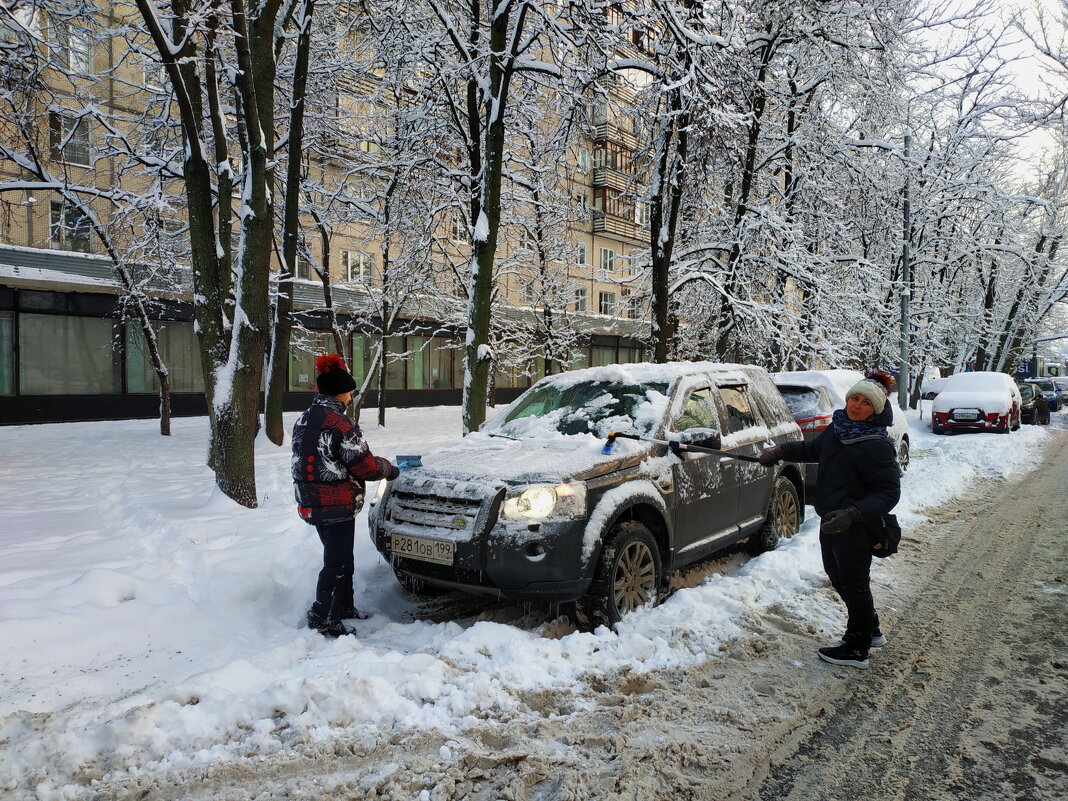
[{"x": 611, "y": 506}]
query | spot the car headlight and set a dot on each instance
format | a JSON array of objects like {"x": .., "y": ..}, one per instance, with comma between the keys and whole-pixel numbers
[{"x": 545, "y": 500}]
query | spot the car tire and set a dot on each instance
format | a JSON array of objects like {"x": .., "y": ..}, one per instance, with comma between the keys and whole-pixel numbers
[
  {"x": 628, "y": 575},
  {"x": 413, "y": 585},
  {"x": 903, "y": 455},
  {"x": 783, "y": 518}
]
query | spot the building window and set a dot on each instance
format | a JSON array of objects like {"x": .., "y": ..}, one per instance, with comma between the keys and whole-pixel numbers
[
  {"x": 179, "y": 350},
  {"x": 525, "y": 241},
  {"x": 625, "y": 302},
  {"x": 82, "y": 345},
  {"x": 603, "y": 355},
  {"x": 74, "y": 48},
  {"x": 69, "y": 139},
  {"x": 582, "y": 203},
  {"x": 395, "y": 357},
  {"x": 357, "y": 266},
  {"x": 530, "y": 292},
  {"x": 7, "y": 353},
  {"x": 582, "y": 254},
  {"x": 457, "y": 229},
  {"x": 642, "y": 214},
  {"x": 580, "y": 299},
  {"x": 429, "y": 363},
  {"x": 630, "y": 355},
  {"x": 70, "y": 229},
  {"x": 584, "y": 159},
  {"x": 304, "y": 348},
  {"x": 304, "y": 271},
  {"x": 608, "y": 260},
  {"x": 606, "y": 303}
]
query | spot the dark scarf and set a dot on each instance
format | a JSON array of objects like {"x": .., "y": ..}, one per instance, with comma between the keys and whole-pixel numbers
[{"x": 848, "y": 430}]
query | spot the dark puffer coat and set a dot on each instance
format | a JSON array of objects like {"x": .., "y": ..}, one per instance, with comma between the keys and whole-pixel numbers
[
  {"x": 331, "y": 462},
  {"x": 860, "y": 472}
]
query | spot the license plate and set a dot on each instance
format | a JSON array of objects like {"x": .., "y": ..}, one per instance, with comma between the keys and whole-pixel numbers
[
  {"x": 965, "y": 415},
  {"x": 438, "y": 551}
]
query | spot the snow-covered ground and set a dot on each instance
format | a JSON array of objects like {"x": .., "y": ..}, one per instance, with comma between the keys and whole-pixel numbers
[{"x": 149, "y": 623}]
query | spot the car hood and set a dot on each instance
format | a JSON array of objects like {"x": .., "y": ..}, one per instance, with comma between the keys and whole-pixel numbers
[
  {"x": 482, "y": 458},
  {"x": 999, "y": 402}
]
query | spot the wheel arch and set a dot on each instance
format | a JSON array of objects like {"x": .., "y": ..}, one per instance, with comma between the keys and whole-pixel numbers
[{"x": 626, "y": 502}]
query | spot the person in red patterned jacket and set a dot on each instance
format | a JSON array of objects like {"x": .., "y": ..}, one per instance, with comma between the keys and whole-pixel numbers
[{"x": 331, "y": 462}]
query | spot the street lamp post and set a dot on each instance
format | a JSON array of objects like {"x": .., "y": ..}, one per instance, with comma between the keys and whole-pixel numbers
[{"x": 906, "y": 287}]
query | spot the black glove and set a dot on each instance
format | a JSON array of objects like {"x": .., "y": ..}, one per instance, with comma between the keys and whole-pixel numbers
[
  {"x": 770, "y": 457},
  {"x": 394, "y": 471},
  {"x": 673, "y": 446},
  {"x": 839, "y": 520}
]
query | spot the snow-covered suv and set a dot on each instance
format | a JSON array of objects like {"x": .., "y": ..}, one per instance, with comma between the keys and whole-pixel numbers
[{"x": 531, "y": 507}]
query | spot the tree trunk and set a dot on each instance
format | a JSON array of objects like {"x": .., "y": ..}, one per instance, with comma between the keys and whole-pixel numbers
[{"x": 282, "y": 327}]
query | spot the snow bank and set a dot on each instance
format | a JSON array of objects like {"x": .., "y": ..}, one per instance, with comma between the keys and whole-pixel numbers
[{"x": 149, "y": 623}]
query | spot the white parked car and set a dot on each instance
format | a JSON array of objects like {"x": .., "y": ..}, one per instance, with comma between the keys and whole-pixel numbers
[
  {"x": 979, "y": 401},
  {"x": 813, "y": 395}
]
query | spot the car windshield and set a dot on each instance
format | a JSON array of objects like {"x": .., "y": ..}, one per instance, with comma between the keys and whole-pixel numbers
[
  {"x": 1045, "y": 386},
  {"x": 589, "y": 407},
  {"x": 804, "y": 402},
  {"x": 1027, "y": 391}
]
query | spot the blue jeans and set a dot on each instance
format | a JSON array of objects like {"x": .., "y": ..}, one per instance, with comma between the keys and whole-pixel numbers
[{"x": 333, "y": 592}]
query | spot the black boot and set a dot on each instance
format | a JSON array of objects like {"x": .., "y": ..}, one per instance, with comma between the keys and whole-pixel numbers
[
  {"x": 853, "y": 652},
  {"x": 351, "y": 613},
  {"x": 328, "y": 628}
]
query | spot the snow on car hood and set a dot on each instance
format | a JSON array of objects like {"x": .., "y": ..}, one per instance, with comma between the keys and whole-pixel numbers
[
  {"x": 481, "y": 457},
  {"x": 988, "y": 402}
]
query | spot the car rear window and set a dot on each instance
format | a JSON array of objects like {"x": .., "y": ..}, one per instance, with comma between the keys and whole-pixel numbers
[
  {"x": 804, "y": 402},
  {"x": 1027, "y": 391}
]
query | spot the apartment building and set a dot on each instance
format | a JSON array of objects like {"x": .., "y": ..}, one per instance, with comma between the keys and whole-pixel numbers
[{"x": 68, "y": 351}]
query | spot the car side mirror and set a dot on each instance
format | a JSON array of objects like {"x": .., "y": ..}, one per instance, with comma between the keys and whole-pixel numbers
[{"x": 702, "y": 437}]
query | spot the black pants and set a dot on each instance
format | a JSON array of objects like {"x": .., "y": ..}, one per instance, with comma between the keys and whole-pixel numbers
[
  {"x": 333, "y": 592},
  {"x": 847, "y": 560}
]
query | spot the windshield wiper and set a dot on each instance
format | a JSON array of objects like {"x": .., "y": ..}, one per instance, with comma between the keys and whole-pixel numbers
[{"x": 502, "y": 436}]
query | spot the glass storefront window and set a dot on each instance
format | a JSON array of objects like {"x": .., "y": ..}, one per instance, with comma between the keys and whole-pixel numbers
[
  {"x": 362, "y": 350},
  {"x": 603, "y": 355},
  {"x": 395, "y": 364},
  {"x": 7, "y": 353},
  {"x": 429, "y": 363},
  {"x": 61, "y": 355},
  {"x": 304, "y": 348},
  {"x": 630, "y": 355},
  {"x": 179, "y": 350}
]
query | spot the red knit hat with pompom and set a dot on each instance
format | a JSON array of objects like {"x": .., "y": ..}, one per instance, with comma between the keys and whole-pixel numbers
[{"x": 333, "y": 378}]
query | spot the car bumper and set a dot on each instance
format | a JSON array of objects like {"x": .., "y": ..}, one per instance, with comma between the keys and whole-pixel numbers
[
  {"x": 526, "y": 562},
  {"x": 945, "y": 421}
]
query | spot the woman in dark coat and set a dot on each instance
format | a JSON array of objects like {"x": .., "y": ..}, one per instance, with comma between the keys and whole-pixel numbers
[{"x": 859, "y": 482}]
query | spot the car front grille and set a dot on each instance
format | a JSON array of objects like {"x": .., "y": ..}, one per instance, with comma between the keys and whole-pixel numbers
[{"x": 429, "y": 511}]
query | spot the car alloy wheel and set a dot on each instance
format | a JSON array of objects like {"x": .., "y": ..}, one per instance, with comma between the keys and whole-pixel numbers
[
  {"x": 634, "y": 582},
  {"x": 628, "y": 575},
  {"x": 903, "y": 455},
  {"x": 783, "y": 518}
]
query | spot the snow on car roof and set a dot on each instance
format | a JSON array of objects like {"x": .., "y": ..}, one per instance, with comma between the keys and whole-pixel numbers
[
  {"x": 650, "y": 373},
  {"x": 980, "y": 379}
]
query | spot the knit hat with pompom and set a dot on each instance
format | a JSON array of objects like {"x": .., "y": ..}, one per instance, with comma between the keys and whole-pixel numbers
[{"x": 333, "y": 378}]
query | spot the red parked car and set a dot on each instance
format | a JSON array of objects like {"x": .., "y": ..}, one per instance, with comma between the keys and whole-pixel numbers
[{"x": 979, "y": 401}]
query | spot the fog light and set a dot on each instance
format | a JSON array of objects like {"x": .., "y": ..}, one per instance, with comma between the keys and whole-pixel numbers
[{"x": 534, "y": 551}]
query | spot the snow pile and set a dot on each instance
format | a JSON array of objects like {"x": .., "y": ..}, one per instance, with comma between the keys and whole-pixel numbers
[{"x": 150, "y": 623}]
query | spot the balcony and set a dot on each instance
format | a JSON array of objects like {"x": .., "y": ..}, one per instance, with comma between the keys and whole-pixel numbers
[
  {"x": 610, "y": 132},
  {"x": 616, "y": 226},
  {"x": 606, "y": 176}
]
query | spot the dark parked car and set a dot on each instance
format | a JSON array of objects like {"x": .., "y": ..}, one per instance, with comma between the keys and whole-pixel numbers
[
  {"x": 1035, "y": 408},
  {"x": 1062, "y": 391},
  {"x": 1049, "y": 389},
  {"x": 531, "y": 508}
]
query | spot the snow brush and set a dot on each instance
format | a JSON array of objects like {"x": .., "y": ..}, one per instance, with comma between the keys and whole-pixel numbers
[{"x": 675, "y": 446}]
